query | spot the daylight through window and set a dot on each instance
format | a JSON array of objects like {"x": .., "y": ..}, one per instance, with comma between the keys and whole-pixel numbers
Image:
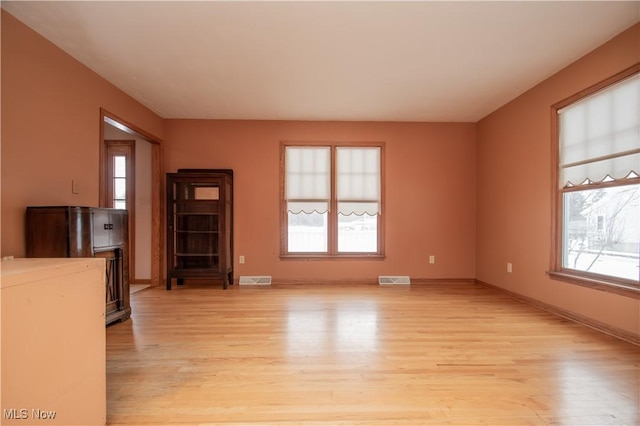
[
  {"x": 598, "y": 183},
  {"x": 332, "y": 199}
]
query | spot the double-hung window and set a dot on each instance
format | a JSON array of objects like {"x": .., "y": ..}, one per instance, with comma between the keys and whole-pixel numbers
[
  {"x": 598, "y": 184},
  {"x": 332, "y": 199}
]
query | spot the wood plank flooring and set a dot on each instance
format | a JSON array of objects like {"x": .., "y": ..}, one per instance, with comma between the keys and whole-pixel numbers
[{"x": 436, "y": 354}]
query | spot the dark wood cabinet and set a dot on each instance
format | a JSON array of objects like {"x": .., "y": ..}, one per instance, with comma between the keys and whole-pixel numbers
[
  {"x": 200, "y": 225},
  {"x": 73, "y": 231}
]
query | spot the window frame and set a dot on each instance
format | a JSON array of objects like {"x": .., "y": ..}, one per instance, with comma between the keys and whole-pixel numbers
[
  {"x": 557, "y": 271},
  {"x": 120, "y": 148},
  {"x": 332, "y": 243}
]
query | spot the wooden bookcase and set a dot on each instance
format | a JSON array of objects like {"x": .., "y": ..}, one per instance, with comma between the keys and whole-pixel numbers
[{"x": 200, "y": 225}]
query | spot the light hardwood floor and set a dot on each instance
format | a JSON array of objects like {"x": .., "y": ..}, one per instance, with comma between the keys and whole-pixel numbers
[{"x": 430, "y": 354}]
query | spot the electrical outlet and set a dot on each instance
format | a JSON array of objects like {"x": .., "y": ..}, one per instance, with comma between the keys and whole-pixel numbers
[
  {"x": 241, "y": 259},
  {"x": 432, "y": 259},
  {"x": 509, "y": 267}
]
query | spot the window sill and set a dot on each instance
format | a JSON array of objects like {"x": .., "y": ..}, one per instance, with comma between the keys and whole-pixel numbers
[
  {"x": 350, "y": 256},
  {"x": 623, "y": 289}
]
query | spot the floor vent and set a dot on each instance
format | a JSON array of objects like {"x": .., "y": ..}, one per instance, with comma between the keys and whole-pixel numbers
[
  {"x": 394, "y": 279},
  {"x": 255, "y": 280}
]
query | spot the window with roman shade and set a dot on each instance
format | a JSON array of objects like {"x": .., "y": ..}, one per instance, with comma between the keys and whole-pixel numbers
[
  {"x": 600, "y": 135},
  {"x": 358, "y": 180},
  {"x": 308, "y": 185},
  {"x": 332, "y": 199},
  {"x": 598, "y": 183}
]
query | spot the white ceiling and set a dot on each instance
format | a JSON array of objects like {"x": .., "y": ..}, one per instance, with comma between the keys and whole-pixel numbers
[{"x": 357, "y": 60}]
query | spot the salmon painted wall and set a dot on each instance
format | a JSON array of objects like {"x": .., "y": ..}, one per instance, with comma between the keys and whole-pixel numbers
[
  {"x": 51, "y": 127},
  {"x": 50, "y": 136},
  {"x": 430, "y": 192},
  {"x": 514, "y": 190}
]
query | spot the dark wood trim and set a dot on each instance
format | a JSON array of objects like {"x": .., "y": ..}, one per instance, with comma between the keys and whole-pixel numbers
[
  {"x": 157, "y": 183},
  {"x": 564, "y": 313},
  {"x": 205, "y": 171}
]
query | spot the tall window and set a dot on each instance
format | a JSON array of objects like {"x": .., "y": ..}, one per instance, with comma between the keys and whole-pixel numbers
[
  {"x": 332, "y": 199},
  {"x": 119, "y": 157},
  {"x": 119, "y": 197},
  {"x": 598, "y": 217}
]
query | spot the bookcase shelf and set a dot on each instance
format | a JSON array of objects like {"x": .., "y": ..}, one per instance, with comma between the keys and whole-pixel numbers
[{"x": 200, "y": 225}]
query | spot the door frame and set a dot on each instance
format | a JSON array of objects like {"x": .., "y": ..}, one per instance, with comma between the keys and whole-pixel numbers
[
  {"x": 157, "y": 190},
  {"x": 127, "y": 148}
]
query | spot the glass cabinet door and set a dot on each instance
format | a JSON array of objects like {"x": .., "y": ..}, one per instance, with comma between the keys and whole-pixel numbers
[
  {"x": 200, "y": 226},
  {"x": 196, "y": 227}
]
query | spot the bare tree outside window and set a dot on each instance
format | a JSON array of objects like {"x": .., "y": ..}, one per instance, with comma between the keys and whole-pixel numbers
[{"x": 602, "y": 234}]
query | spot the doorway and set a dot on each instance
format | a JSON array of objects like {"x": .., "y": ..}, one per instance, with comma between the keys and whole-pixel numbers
[{"x": 137, "y": 188}]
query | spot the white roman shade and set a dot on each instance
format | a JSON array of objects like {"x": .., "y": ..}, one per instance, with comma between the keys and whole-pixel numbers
[
  {"x": 308, "y": 179},
  {"x": 600, "y": 135},
  {"x": 358, "y": 180}
]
